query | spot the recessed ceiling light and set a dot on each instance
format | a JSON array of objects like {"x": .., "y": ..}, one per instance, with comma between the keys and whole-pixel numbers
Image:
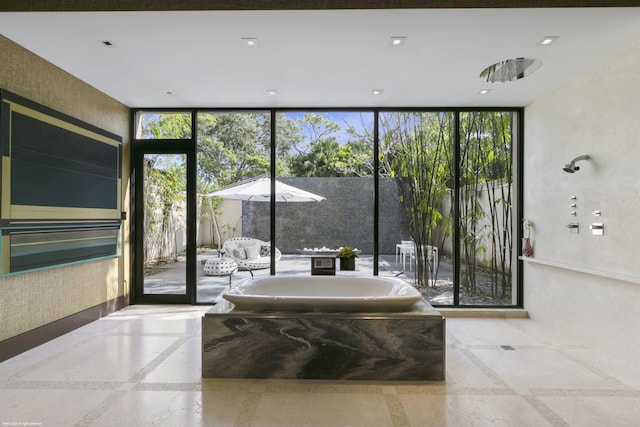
[
  {"x": 547, "y": 40},
  {"x": 250, "y": 41},
  {"x": 272, "y": 92},
  {"x": 484, "y": 91},
  {"x": 397, "y": 41},
  {"x": 377, "y": 91}
]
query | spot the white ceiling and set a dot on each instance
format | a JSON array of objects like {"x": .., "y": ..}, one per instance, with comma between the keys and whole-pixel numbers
[{"x": 322, "y": 58}]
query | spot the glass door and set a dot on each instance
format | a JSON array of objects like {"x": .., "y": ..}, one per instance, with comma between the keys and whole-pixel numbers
[{"x": 162, "y": 229}]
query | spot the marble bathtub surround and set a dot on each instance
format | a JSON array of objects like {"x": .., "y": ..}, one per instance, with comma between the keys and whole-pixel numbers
[
  {"x": 403, "y": 346},
  {"x": 141, "y": 366}
]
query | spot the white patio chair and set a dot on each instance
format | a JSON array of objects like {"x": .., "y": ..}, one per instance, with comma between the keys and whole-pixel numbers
[
  {"x": 250, "y": 253},
  {"x": 407, "y": 249}
]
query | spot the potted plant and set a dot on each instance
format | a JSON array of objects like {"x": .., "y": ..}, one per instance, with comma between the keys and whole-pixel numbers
[{"x": 347, "y": 258}]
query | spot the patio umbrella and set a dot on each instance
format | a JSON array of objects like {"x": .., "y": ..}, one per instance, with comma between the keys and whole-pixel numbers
[{"x": 259, "y": 190}]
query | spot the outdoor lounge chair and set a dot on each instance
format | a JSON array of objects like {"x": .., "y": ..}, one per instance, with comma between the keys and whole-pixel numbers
[{"x": 249, "y": 253}]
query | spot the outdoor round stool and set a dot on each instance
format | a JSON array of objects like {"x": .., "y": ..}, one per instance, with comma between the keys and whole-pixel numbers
[{"x": 220, "y": 266}]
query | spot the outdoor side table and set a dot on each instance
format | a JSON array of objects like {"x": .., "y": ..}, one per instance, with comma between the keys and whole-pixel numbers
[{"x": 220, "y": 267}]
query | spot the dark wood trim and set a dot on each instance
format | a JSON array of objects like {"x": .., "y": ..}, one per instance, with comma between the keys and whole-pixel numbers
[
  {"x": 176, "y": 5},
  {"x": 26, "y": 341}
]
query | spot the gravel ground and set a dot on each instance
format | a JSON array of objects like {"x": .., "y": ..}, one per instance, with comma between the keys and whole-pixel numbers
[{"x": 440, "y": 292}]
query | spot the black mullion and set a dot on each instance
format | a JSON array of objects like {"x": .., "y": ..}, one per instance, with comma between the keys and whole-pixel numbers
[
  {"x": 456, "y": 209},
  {"x": 376, "y": 191},
  {"x": 272, "y": 219},
  {"x": 192, "y": 219},
  {"x": 136, "y": 221},
  {"x": 520, "y": 205}
]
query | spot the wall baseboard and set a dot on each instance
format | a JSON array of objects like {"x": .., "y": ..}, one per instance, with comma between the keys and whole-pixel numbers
[{"x": 26, "y": 341}]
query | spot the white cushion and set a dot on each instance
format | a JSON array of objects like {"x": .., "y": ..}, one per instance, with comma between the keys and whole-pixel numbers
[
  {"x": 239, "y": 253},
  {"x": 252, "y": 251}
]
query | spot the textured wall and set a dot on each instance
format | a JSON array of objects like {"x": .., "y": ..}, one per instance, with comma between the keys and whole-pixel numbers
[
  {"x": 596, "y": 114},
  {"x": 345, "y": 218},
  {"x": 35, "y": 299}
]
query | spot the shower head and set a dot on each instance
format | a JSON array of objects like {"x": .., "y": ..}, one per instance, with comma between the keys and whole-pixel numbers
[{"x": 571, "y": 167}]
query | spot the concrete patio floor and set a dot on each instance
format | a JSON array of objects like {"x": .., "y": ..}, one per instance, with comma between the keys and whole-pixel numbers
[{"x": 170, "y": 278}]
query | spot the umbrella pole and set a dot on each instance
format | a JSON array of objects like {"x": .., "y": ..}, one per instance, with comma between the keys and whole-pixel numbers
[{"x": 218, "y": 235}]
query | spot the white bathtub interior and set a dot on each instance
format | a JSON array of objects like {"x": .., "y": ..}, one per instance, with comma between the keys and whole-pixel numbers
[{"x": 318, "y": 293}]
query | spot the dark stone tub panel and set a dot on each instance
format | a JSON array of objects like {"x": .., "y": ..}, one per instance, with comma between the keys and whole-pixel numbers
[{"x": 372, "y": 346}]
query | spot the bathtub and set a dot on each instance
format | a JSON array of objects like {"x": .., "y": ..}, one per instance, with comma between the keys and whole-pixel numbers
[
  {"x": 323, "y": 293},
  {"x": 324, "y": 328}
]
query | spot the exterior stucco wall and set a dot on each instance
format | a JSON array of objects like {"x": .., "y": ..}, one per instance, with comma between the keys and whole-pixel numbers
[{"x": 344, "y": 218}]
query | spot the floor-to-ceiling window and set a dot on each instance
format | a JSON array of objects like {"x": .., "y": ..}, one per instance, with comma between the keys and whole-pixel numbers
[
  {"x": 164, "y": 215},
  {"x": 416, "y": 167},
  {"x": 232, "y": 147},
  {"x": 453, "y": 171},
  {"x": 421, "y": 194},
  {"x": 330, "y": 155},
  {"x": 485, "y": 201}
]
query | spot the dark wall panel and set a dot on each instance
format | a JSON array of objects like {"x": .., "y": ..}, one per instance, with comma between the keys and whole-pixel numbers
[
  {"x": 60, "y": 192},
  {"x": 34, "y": 249},
  {"x": 39, "y": 185},
  {"x": 38, "y": 141}
]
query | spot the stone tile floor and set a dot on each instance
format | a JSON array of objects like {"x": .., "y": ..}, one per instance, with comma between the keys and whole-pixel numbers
[{"x": 140, "y": 366}]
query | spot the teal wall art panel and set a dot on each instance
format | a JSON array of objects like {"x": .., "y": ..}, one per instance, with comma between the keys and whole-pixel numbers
[{"x": 61, "y": 188}]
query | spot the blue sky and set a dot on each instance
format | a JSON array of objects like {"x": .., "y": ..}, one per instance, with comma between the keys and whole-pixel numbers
[{"x": 342, "y": 118}]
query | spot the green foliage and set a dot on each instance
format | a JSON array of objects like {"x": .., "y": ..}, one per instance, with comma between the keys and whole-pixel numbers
[
  {"x": 317, "y": 159},
  {"x": 347, "y": 252},
  {"x": 353, "y": 159},
  {"x": 165, "y": 126},
  {"x": 419, "y": 150},
  {"x": 164, "y": 197},
  {"x": 486, "y": 167},
  {"x": 288, "y": 135},
  {"x": 231, "y": 147},
  {"x": 321, "y": 154}
]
